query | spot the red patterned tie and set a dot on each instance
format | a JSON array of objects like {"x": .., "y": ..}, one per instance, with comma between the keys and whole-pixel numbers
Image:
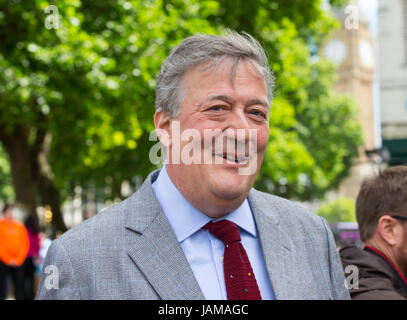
[{"x": 239, "y": 277}]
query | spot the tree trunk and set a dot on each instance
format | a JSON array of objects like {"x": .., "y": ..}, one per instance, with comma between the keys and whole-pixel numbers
[
  {"x": 16, "y": 145},
  {"x": 49, "y": 194},
  {"x": 31, "y": 172}
]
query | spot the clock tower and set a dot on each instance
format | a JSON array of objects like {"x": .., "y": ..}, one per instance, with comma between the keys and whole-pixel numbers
[{"x": 351, "y": 48}]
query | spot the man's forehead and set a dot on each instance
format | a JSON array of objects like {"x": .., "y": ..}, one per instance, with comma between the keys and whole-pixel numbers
[
  {"x": 219, "y": 71},
  {"x": 227, "y": 66}
]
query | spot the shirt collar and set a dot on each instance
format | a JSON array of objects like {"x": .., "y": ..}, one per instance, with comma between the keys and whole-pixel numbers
[{"x": 185, "y": 219}]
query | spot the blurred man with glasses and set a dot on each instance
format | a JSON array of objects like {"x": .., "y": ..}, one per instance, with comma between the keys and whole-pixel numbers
[{"x": 381, "y": 211}]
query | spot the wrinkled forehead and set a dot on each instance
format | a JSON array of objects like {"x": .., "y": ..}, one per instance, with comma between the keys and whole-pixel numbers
[
  {"x": 226, "y": 66},
  {"x": 232, "y": 63}
]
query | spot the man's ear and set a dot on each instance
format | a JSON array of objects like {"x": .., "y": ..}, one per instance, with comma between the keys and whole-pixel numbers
[
  {"x": 387, "y": 229},
  {"x": 162, "y": 123}
]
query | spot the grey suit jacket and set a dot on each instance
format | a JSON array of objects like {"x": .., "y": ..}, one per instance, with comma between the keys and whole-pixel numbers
[{"x": 129, "y": 251}]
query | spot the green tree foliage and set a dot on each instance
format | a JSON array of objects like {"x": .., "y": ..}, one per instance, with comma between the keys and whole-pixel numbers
[
  {"x": 76, "y": 102},
  {"x": 339, "y": 210},
  {"x": 312, "y": 142},
  {"x": 313, "y": 132}
]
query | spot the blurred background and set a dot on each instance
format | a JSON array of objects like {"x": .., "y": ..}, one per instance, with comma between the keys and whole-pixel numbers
[{"x": 77, "y": 83}]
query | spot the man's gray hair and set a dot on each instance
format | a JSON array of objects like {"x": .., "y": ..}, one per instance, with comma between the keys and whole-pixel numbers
[{"x": 200, "y": 49}]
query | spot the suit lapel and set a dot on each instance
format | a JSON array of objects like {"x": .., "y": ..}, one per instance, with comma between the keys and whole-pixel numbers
[
  {"x": 155, "y": 249},
  {"x": 276, "y": 245}
]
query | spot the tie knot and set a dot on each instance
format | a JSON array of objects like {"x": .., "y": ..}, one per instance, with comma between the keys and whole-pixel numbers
[{"x": 224, "y": 230}]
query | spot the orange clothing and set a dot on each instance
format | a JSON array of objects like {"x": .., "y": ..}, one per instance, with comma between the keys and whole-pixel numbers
[{"x": 14, "y": 243}]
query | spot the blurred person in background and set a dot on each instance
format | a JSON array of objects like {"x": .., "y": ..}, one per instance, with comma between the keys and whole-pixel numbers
[
  {"x": 32, "y": 260},
  {"x": 14, "y": 245},
  {"x": 381, "y": 212},
  {"x": 45, "y": 242}
]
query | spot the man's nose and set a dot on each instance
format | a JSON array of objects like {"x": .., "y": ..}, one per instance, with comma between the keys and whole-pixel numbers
[
  {"x": 238, "y": 119},
  {"x": 236, "y": 132}
]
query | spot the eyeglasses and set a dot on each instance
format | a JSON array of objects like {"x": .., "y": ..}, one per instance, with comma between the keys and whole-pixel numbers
[{"x": 399, "y": 217}]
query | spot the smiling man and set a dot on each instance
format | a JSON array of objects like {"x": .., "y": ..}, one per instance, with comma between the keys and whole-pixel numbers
[{"x": 198, "y": 230}]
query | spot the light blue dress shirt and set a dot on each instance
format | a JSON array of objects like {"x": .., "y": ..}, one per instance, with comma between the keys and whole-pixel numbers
[{"x": 203, "y": 251}]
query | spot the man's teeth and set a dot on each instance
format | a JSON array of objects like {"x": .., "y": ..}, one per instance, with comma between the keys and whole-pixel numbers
[
  {"x": 230, "y": 158},
  {"x": 233, "y": 158}
]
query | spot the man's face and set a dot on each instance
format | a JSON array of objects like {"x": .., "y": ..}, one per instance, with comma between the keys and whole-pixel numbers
[{"x": 212, "y": 101}]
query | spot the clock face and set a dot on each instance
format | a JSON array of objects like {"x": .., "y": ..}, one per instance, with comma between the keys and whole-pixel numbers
[
  {"x": 366, "y": 54},
  {"x": 336, "y": 51}
]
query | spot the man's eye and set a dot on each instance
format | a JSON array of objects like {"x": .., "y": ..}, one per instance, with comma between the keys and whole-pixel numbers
[
  {"x": 217, "y": 108},
  {"x": 258, "y": 113}
]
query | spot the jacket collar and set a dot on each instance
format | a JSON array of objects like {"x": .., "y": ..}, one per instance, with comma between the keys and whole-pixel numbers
[
  {"x": 398, "y": 276},
  {"x": 155, "y": 248},
  {"x": 276, "y": 244}
]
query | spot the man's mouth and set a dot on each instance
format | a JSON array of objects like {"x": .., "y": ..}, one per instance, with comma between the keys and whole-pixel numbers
[{"x": 233, "y": 158}]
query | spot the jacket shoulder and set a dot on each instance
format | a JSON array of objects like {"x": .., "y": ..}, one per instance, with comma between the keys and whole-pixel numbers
[
  {"x": 376, "y": 289},
  {"x": 107, "y": 224},
  {"x": 287, "y": 211},
  {"x": 376, "y": 279}
]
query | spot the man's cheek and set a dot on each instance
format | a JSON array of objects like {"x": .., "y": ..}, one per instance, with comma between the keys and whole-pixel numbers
[{"x": 262, "y": 139}]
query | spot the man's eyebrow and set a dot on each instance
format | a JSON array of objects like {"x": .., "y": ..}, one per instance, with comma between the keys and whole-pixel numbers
[
  {"x": 258, "y": 101},
  {"x": 230, "y": 100},
  {"x": 222, "y": 97}
]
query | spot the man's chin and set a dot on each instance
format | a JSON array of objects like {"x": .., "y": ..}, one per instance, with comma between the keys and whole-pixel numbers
[
  {"x": 233, "y": 175},
  {"x": 228, "y": 188}
]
